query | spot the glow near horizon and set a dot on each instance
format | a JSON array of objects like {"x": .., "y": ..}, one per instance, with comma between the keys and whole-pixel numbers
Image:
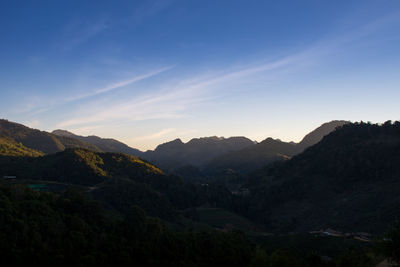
[{"x": 152, "y": 72}]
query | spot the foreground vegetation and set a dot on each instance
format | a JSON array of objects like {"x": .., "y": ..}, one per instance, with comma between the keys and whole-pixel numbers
[{"x": 39, "y": 228}]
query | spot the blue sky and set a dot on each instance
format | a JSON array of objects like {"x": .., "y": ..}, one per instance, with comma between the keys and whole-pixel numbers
[{"x": 146, "y": 72}]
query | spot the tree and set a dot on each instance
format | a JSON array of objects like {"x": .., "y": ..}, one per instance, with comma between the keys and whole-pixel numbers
[{"x": 392, "y": 244}]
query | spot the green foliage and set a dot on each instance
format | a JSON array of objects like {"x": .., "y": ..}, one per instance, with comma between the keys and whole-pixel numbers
[{"x": 9, "y": 147}]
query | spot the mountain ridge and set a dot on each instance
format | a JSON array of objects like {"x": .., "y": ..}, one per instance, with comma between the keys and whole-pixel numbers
[
  {"x": 105, "y": 144},
  {"x": 268, "y": 151},
  {"x": 347, "y": 181},
  {"x": 195, "y": 152},
  {"x": 215, "y": 154},
  {"x": 39, "y": 140}
]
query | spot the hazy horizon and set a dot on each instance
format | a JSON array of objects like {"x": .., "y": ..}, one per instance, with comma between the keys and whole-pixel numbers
[{"x": 149, "y": 72}]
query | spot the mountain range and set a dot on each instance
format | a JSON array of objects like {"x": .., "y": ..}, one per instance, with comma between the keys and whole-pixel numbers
[
  {"x": 196, "y": 152},
  {"x": 258, "y": 155},
  {"x": 207, "y": 155}
]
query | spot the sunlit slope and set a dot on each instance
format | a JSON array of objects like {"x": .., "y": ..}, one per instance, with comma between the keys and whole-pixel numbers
[
  {"x": 79, "y": 166},
  {"x": 9, "y": 147}
]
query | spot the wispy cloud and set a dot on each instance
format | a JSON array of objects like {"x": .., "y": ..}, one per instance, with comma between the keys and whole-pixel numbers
[
  {"x": 36, "y": 107},
  {"x": 152, "y": 106},
  {"x": 119, "y": 84},
  {"x": 169, "y": 103},
  {"x": 172, "y": 101}
]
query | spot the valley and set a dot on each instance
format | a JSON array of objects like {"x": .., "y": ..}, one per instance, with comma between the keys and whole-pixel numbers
[{"x": 345, "y": 179}]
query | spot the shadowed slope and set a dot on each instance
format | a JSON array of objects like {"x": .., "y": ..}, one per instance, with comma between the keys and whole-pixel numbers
[
  {"x": 105, "y": 144},
  {"x": 253, "y": 157},
  {"x": 196, "y": 152},
  {"x": 269, "y": 150},
  {"x": 349, "y": 181}
]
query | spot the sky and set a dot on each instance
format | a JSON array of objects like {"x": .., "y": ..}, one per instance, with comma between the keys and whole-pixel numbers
[{"x": 147, "y": 72}]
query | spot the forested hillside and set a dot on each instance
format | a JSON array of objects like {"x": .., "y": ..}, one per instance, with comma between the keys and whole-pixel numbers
[
  {"x": 42, "y": 229},
  {"x": 39, "y": 140},
  {"x": 349, "y": 181},
  {"x": 104, "y": 144},
  {"x": 8, "y": 147}
]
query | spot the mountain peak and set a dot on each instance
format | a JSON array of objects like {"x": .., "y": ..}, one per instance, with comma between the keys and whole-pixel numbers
[
  {"x": 66, "y": 133},
  {"x": 104, "y": 144},
  {"x": 316, "y": 135},
  {"x": 176, "y": 143}
]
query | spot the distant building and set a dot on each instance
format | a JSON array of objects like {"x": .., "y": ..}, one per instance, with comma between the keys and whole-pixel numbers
[{"x": 9, "y": 177}]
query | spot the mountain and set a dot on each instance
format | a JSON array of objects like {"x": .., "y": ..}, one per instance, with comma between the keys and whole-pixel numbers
[
  {"x": 196, "y": 152},
  {"x": 210, "y": 154},
  {"x": 348, "y": 181},
  {"x": 117, "y": 180},
  {"x": 39, "y": 140},
  {"x": 104, "y": 144},
  {"x": 79, "y": 166},
  {"x": 253, "y": 157},
  {"x": 259, "y": 155},
  {"x": 317, "y": 135}
]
